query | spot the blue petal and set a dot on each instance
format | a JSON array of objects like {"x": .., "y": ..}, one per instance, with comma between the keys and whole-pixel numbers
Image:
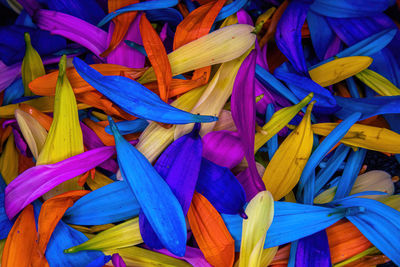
[
  {"x": 127, "y": 127},
  {"x": 12, "y": 43},
  {"x": 301, "y": 86},
  {"x": 63, "y": 238},
  {"x": 13, "y": 92},
  {"x": 88, "y": 10},
  {"x": 231, "y": 9},
  {"x": 108, "y": 204},
  {"x": 156, "y": 199},
  {"x": 379, "y": 223},
  {"x": 291, "y": 222},
  {"x": 134, "y": 98},
  {"x": 307, "y": 181},
  {"x": 350, "y": 9},
  {"x": 368, "y": 107},
  {"x": 169, "y": 15},
  {"x": 313, "y": 250},
  {"x": 350, "y": 173},
  {"x": 272, "y": 144},
  {"x": 148, "y": 5},
  {"x": 333, "y": 164},
  {"x": 5, "y": 223},
  {"x": 221, "y": 188},
  {"x": 100, "y": 261},
  {"x": 321, "y": 33}
]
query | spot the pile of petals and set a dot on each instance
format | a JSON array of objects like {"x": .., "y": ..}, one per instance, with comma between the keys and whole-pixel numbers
[{"x": 199, "y": 133}]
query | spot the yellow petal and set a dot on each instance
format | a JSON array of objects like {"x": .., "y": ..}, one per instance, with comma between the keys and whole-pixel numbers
[
  {"x": 156, "y": 138},
  {"x": 370, "y": 181},
  {"x": 217, "y": 47},
  {"x": 32, "y": 65},
  {"x": 122, "y": 235},
  {"x": 64, "y": 139},
  {"x": 260, "y": 212},
  {"x": 284, "y": 170},
  {"x": 378, "y": 83},
  {"x": 33, "y": 132},
  {"x": 135, "y": 256},
  {"x": 215, "y": 96},
  {"x": 278, "y": 121},
  {"x": 9, "y": 159},
  {"x": 392, "y": 201},
  {"x": 366, "y": 252},
  {"x": 339, "y": 69},
  {"x": 266, "y": 15},
  {"x": 43, "y": 104},
  {"x": 365, "y": 136},
  {"x": 268, "y": 255},
  {"x": 99, "y": 180},
  {"x": 93, "y": 229}
]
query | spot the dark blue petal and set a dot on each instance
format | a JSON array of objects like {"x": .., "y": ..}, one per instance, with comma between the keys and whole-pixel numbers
[
  {"x": 313, "y": 250},
  {"x": 350, "y": 9},
  {"x": 220, "y": 187},
  {"x": 321, "y": 33},
  {"x": 87, "y": 10}
]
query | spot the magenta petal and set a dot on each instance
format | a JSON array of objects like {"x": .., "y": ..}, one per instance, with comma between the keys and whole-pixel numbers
[
  {"x": 288, "y": 34},
  {"x": 123, "y": 54},
  {"x": 244, "y": 113},
  {"x": 223, "y": 148},
  {"x": 36, "y": 181},
  {"x": 77, "y": 30},
  {"x": 117, "y": 260},
  {"x": 194, "y": 256},
  {"x": 92, "y": 141},
  {"x": 244, "y": 18}
]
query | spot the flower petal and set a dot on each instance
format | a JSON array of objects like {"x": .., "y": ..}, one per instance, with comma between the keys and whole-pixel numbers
[{"x": 146, "y": 105}]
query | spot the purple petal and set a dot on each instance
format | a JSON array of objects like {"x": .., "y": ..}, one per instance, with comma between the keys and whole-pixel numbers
[
  {"x": 288, "y": 34},
  {"x": 77, "y": 30},
  {"x": 123, "y": 54},
  {"x": 313, "y": 250},
  {"x": 20, "y": 143},
  {"x": 244, "y": 113},
  {"x": 31, "y": 6},
  {"x": 179, "y": 165},
  {"x": 244, "y": 18},
  {"x": 36, "y": 181},
  {"x": 117, "y": 260},
  {"x": 247, "y": 183},
  {"x": 8, "y": 74},
  {"x": 223, "y": 148},
  {"x": 194, "y": 256},
  {"x": 262, "y": 56}
]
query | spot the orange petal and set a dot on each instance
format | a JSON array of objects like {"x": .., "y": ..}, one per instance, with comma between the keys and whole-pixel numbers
[
  {"x": 21, "y": 241},
  {"x": 46, "y": 85},
  {"x": 121, "y": 22},
  {"x": 345, "y": 241},
  {"x": 157, "y": 56},
  {"x": 51, "y": 213},
  {"x": 210, "y": 232},
  {"x": 97, "y": 100},
  {"x": 42, "y": 118}
]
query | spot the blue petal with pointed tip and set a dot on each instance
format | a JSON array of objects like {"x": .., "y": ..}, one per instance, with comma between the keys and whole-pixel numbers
[
  {"x": 136, "y": 99},
  {"x": 109, "y": 204},
  {"x": 368, "y": 106},
  {"x": 155, "y": 197}
]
